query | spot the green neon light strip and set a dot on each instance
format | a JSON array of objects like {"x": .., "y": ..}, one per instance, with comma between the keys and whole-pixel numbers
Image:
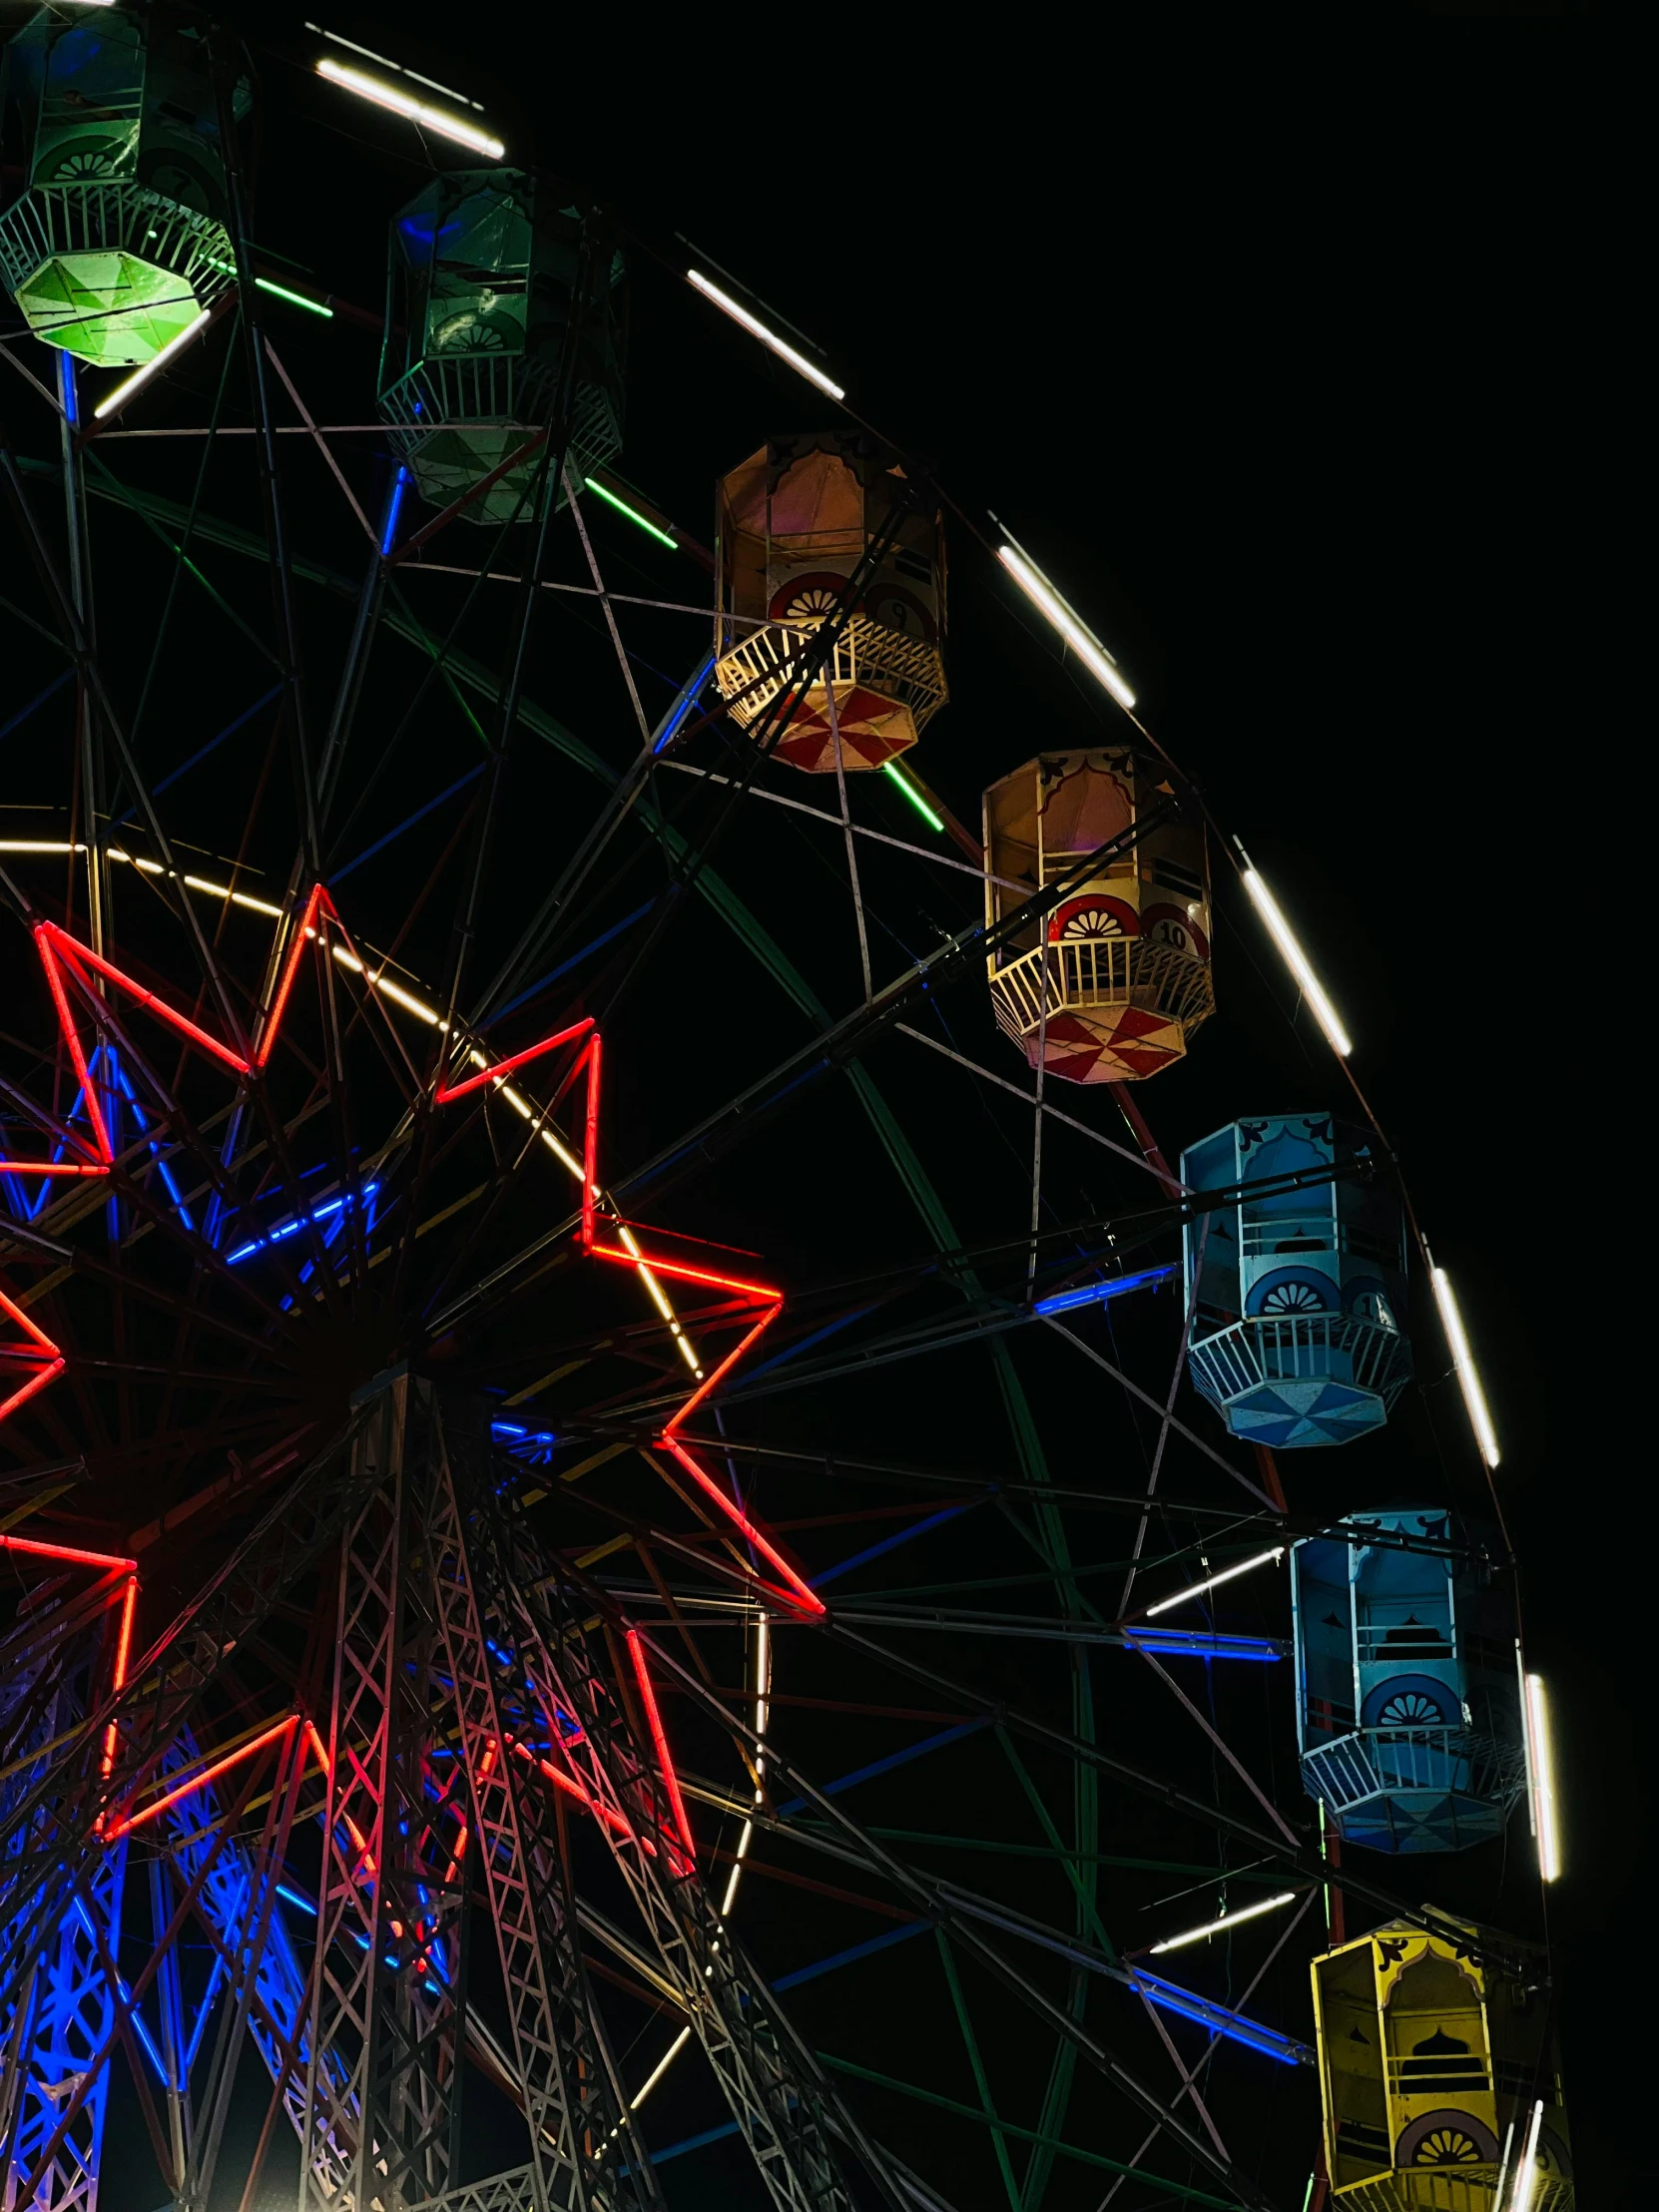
[
  {"x": 980, "y": 2082},
  {"x": 1025, "y": 2134},
  {"x": 295, "y": 298},
  {"x": 622, "y": 507},
  {"x": 912, "y": 795},
  {"x": 276, "y": 291}
]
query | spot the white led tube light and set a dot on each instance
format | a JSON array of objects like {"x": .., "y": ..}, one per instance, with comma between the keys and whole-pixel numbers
[
  {"x": 1296, "y": 961},
  {"x": 1463, "y": 1359},
  {"x": 1230, "y": 1920},
  {"x": 113, "y": 401},
  {"x": 1526, "y": 2174},
  {"x": 1540, "y": 1772},
  {"x": 385, "y": 61},
  {"x": 757, "y": 329},
  {"x": 763, "y": 1681},
  {"x": 659, "y": 2069},
  {"x": 1070, "y": 625},
  {"x": 1198, "y": 1589},
  {"x": 405, "y": 103}
]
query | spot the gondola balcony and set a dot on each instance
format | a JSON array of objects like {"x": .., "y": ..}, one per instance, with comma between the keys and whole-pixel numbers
[
  {"x": 1111, "y": 983},
  {"x": 797, "y": 525}
]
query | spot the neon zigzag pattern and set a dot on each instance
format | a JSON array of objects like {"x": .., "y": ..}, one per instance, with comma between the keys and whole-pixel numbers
[
  {"x": 790, "y": 1587},
  {"x": 58, "y": 951}
]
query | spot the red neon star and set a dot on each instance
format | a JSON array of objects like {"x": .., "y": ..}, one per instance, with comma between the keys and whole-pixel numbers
[{"x": 59, "y": 953}]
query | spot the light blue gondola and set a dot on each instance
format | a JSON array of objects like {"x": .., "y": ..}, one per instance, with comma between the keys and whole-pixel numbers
[
  {"x": 1298, "y": 1335},
  {"x": 1408, "y": 1719}
]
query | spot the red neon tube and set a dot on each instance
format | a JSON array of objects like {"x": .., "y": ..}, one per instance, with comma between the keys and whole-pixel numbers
[
  {"x": 459, "y": 1853},
  {"x": 589, "y": 1802},
  {"x": 207, "y": 1774},
  {"x": 593, "y": 1804},
  {"x": 17, "y": 1313},
  {"x": 34, "y": 1384},
  {"x": 124, "y": 1642},
  {"x": 72, "y": 1038},
  {"x": 726, "y": 1364},
  {"x": 804, "y": 1595},
  {"x": 574, "y": 1789},
  {"x": 590, "y": 1145},
  {"x": 316, "y": 1744},
  {"x": 671, "y": 1780},
  {"x": 268, "y": 1041},
  {"x": 67, "y": 1553},
  {"x": 360, "y": 1841},
  {"x": 678, "y": 1268},
  {"x": 52, "y": 1167},
  {"x": 447, "y": 1091},
  {"x": 123, "y": 1646},
  {"x": 74, "y": 953}
]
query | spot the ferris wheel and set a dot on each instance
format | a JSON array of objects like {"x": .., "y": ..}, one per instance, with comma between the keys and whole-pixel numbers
[{"x": 657, "y": 1532}]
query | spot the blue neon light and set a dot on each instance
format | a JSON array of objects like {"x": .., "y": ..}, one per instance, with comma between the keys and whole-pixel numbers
[
  {"x": 204, "y": 2011},
  {"x": 1092, "y": 1294},
  {"x": 23, "y": 712},
  {"x": 425, "y": 228},
  {"x": 339, "y": 875},
  {"x": 66, "y": 387},
  {"x": 1219, "y": 2019},
  {"x": 388, "y": 536},
  {"x": 292, "y": 1228},
  {"x": 882, "y": 1765},
  {"x": 807, "y": 1342},
  {"x": 847, "y": 1957},
  {"x": 137, "y": 2017},
  {"x": 686, "y": 2143},
  {"x": 156, "y": 1151},
  {"x": 887, "y": 1543},
  {"x": 1179, "y": 1644},
  {"x": 230, "y": 730},
  {"x": 534, "y": 1447},
  {"x": 687, "y": 700},
  {"x": 594, "y": 944}
]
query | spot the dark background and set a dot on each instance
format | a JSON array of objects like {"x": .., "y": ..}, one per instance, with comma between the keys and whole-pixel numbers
[
  {"x": 1293, "y": 362},
  {"x": 1288, "y": 363}
]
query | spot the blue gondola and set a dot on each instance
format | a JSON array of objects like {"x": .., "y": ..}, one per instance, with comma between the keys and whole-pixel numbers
[
  {"x": 1408, "y": 1717},
  {"x": 1298, "y": 1329}
]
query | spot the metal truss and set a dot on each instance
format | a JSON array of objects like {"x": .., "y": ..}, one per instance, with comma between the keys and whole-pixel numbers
[
  {"x": 573, "y": 2098},
  {"x": 417, "y": 1691},
  {"x": 54, "y": 2021},
  {"x": 785, "y": 2109},
  {"x": 387, "y": 1948},
  {"x": 51, "y": 1838}
]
